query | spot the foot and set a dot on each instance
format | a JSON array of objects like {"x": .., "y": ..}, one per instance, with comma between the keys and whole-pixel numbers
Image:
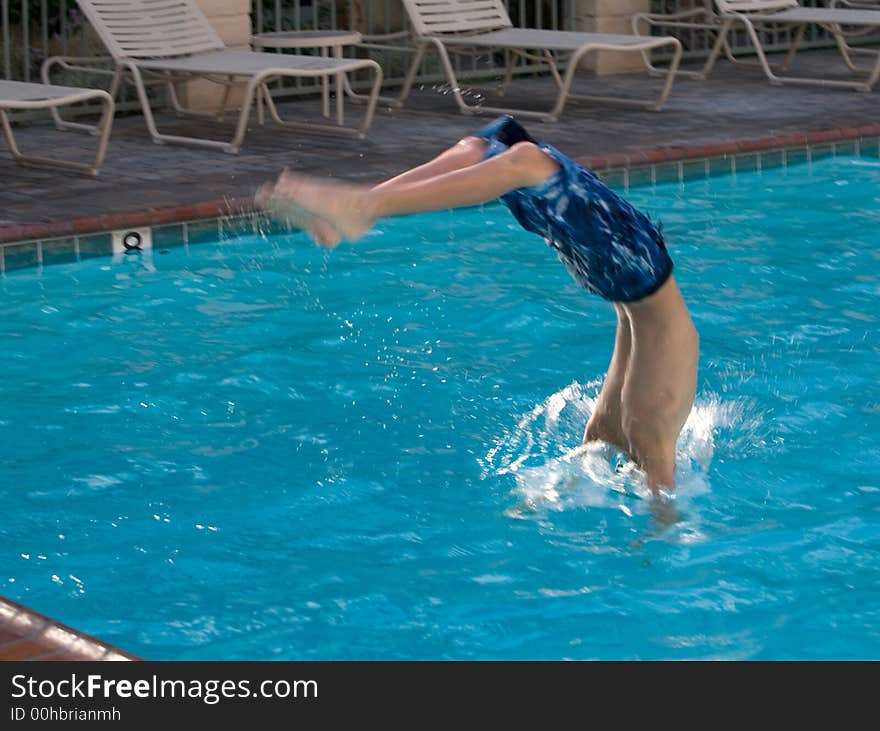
[
  {"x": 345, "y": 208},
  {"x": 321, "y": 231},
  {"x": 263, "y": 196}
]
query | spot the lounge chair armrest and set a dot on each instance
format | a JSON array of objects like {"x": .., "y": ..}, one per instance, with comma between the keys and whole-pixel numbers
[
  {"x": 856, "y": 4},
  {"x": 384, "y": 37},
  {"x": 696, "y": 18},
  {"x": 87, "y": 64},
  {"x": 80, "y": 60},
  {"x": 401, "y": 40}
]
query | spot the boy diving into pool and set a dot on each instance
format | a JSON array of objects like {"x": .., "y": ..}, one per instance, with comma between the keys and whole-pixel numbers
[{"x": 610, "y": 248}]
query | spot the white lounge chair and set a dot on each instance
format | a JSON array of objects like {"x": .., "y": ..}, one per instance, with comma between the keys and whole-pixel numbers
[
  {"x": 21, "y": 96},
  {"x": 865, "y": 35},
  {"x": 687, "y": 21},
  {"x": 171, "y": 41},
  {"x": 460, "y": 26},
  {"x": 760, "y": 15}
]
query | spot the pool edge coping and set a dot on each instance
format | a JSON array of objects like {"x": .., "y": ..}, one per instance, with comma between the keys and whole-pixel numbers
[
  {"x": 683, "y": 153},
  {"x": 605, "y": 165},
  {"x": 30, "y": 635}
]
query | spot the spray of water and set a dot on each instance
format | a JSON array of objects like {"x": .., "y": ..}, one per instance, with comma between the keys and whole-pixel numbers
[
  {"x": 551, "y": 475},
  {"x": 472, "y": 96}
]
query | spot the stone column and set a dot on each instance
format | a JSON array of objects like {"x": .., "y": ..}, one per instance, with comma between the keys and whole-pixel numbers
[
  {"x": 609, "y": 16},
  {"x": 232, "y": 21}
]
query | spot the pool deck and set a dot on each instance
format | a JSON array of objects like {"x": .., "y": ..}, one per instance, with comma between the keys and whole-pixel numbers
[
  {"x": 734, "y": 111},
  {"x": 141, "y": 183}
]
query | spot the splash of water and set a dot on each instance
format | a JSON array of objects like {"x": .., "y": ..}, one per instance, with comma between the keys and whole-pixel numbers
[
  {"x": 474, "y": 96},
  {"x": 550, "y": 475}
]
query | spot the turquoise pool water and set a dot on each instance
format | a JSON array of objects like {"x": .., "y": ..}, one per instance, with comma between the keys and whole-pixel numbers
[{"x": 261, "y": 450}]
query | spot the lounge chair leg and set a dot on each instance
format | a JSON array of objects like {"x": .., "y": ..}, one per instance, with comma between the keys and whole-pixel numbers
[
  {"x": 646, "y": 55},
  {"x": 844, "y": 53},
  {"x": 670, "y": 77},
  {"x": 227, "y": 90},
  {"x": 325, "y": 90},
  {"x": 655, "y": 105},
  {"x": 102, "y": 128},
  {"x": 873, "y": 77},
  {"x": 697, "y": 19},
  {"x": 463, "y": 106},
  {"x": 793, "y": 48},
  {"x": 181, "y": 111},
  {"x": 261, "y": 100},
  {"x": 145, "y": 102},
  {"x": 60, "y": 122},
  {"x": 360, "y": 132},
  {"x": 720, "y": 44},
  {"x": 251, "y": 91},
  {"x": 564, "y": 88},
  {"x": 46, "y": 76},
  {"x": 171, "y": 91},
  {"x": 103, "y": 132},
  {"x": 116, "y": 83},
  {"x": 728, "y": 53},
  {"x": 411, "y": 74},
  {"x": 510, "y": 56},
  {"x": 759, "y": 50},
  {"x": 359, "y": 98},
  {"x": 10, "y": 138},
  {"x": 554, "y": 71},
  {"x": 843, "y": 48}
]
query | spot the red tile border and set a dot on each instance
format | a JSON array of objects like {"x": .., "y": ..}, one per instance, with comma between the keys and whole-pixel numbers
[
  {"x": 235, "y": 206},
  {"x": 720, "y": 149},
  {"x": 111, "y": 221}
]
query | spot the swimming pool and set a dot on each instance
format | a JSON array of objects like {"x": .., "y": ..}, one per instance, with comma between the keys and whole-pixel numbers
[{"x": 259, "y": 450}]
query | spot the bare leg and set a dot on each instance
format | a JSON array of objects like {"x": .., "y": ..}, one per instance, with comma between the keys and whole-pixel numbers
[
  {"x": 353, "y": 210},
  {"x": 605, "y": 423},
  {"x": 650, "y": 386},
  {"x": 660, "y": 383},
  {"x": 466, "y": 152}
]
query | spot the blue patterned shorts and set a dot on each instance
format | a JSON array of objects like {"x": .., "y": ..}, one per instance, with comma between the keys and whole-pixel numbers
[{"x": 608, "y": 246}]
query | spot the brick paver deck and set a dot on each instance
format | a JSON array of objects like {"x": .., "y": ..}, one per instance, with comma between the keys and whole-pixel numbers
[{"x": 734, "y": 104}]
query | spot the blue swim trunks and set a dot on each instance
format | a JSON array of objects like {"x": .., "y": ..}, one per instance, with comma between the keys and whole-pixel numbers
[{"x": 608, "y": 246}]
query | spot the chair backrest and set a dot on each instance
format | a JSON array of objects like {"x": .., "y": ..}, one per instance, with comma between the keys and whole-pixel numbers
[
  {"x": 754, "y": 6},
  {"x": 151, "y": 28},
  {"x": 432, "y": 17}
]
